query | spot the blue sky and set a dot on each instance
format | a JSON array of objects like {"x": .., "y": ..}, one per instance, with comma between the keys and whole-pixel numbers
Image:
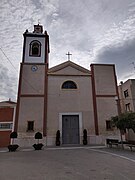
[{"x": 94, "y": 31}]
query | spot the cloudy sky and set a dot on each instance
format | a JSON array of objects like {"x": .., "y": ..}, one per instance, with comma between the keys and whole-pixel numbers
[{"x": 94, "y": 31}]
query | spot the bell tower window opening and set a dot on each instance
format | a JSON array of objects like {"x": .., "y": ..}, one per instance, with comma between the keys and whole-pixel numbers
[{"x": 35, "y": 48}]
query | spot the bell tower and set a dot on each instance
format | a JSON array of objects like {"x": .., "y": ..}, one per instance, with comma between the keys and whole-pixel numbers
[{"x": 31, "y": 111}]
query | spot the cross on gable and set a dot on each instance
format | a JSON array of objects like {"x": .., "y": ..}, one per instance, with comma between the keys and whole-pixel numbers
[{"x": 68, "y": 54}]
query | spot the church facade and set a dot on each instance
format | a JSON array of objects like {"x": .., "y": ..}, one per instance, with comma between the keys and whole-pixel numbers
[{"x": 67, "y": 97}]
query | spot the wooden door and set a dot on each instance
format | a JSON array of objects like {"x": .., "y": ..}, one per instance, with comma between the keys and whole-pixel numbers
[{"x": 70, "y": 129}]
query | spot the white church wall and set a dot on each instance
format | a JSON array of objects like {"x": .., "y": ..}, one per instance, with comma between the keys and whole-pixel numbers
[
  {"x": 106, "y": 91},
  {"x": 62, "y": 101},
  {"x": 31, "y": 109},
  {"x": 35, "y": 83},
  {"x": 106, "y": 108},
  {"x": 104, "y": 80}
]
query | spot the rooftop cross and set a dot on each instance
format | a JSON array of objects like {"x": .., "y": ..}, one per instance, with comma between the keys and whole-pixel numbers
[{"x": 68, "y": 54}]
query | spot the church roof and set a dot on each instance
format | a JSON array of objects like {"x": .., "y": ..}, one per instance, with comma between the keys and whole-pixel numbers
[{"x": 67, "y": 64}]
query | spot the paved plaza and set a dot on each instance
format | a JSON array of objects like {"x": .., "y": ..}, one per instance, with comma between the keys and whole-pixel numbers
[{"x": 68, "y": 163}]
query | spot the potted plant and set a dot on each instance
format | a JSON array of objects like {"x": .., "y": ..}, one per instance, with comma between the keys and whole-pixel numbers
[
  {"x": 58, "y": 138},
  {"x": 85, "y": 142},
  {"x": 13, "y": 147},
  {"x": 38, "y": 146}
]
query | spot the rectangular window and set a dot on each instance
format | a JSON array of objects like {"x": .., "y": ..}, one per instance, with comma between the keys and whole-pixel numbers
[
  {"x": 30, "y": 126},
  {"x": 108, "y": 125},
  {"x": 126, "y": 93},
  {"x": 5, "y": 126},
  {"x": 127, "y": 106}
]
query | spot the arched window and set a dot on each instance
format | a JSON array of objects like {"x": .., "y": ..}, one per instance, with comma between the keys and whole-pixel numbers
[
  {"x": 35, "y": 48},
  {"x": 69, "y": 85}
]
